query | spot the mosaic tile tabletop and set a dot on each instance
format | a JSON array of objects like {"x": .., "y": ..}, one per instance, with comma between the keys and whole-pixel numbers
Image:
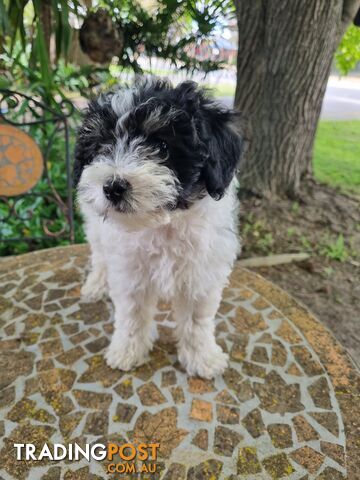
[{"x": 286, "y": 407}]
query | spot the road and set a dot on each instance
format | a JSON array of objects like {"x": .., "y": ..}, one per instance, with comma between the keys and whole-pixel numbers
[{"x": 341, "y": 101}]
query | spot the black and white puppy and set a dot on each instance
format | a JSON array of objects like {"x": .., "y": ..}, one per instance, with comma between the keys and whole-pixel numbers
[{"x": 155, "y": 174}]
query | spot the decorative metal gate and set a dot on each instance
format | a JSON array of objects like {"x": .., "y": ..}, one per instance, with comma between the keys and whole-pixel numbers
[{"x": 27, "y": 178}]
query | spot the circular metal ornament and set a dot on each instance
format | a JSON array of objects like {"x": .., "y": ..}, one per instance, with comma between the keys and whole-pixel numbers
[{"x": 21, "y": 162}]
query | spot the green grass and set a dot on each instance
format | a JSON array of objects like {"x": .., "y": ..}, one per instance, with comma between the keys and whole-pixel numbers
[
  {"x": 336, "y": 250},
  {"x": 337, "y": 154}
]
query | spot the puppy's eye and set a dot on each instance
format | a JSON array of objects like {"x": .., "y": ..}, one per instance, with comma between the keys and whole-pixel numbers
[{"x": 163, "y": 148}]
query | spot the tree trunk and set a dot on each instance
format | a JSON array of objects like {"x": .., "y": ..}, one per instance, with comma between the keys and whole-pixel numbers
[{"x": 285, "y": 54}]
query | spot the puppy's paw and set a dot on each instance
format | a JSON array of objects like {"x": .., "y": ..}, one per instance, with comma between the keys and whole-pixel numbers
[
  {"x": 95, "y": 286},
  {"x": 126, "y": 356},
  {"x": 206, "y": 363}
]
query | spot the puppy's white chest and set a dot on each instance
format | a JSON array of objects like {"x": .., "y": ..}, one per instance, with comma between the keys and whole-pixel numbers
[
  {"x": 194, "y": 251},
  {"x": 170, "y": 257}
]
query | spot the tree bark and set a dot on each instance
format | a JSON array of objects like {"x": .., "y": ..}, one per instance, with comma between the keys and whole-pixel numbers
[{"x": 285, "y": 53}]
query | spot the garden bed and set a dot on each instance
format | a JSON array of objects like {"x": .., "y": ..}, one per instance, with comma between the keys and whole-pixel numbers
[{"x": 326, "y": 224}]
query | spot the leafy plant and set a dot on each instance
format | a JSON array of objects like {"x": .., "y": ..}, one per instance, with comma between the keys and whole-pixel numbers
[
  {"x": 253, "y": 227},
  {"x": 266, "y": 242},
  {"x": 291, "y": 232},
  {"x": 38, "y": 208},
  {"x": 336, "y": 250},
  {"x": 256, "y": 233},
  {"x": 27, "y": 28},
  {"x": 170, "y": 30},
  {"x": 295, "y": 207},
  {"x": 305, "y": 243},
  {"x": 348, "y": 53}
]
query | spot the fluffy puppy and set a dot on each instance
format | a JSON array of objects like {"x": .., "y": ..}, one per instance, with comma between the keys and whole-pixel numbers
[{"x": 154, "y": 171}]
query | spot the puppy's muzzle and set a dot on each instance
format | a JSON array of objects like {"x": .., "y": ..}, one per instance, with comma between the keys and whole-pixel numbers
[{"x": 116, "y": 189}]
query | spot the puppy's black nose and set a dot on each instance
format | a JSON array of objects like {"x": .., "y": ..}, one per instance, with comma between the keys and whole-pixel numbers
[{"x": 114, "y": 189}]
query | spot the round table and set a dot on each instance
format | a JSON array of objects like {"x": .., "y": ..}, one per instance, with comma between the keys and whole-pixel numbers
[{"x": 287, "y": 406}]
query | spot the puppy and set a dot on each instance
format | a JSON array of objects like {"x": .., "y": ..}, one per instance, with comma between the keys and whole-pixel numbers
[{"x": 155, "y": 174}]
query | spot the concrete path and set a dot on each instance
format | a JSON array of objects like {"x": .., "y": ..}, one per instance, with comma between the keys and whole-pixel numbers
[{"x": 286, "y": 407}]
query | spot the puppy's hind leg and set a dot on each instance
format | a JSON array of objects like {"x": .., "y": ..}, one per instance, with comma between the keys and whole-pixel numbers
[
  {"x": 95, "y": 285},
  {"x": 198, "y": 351}
]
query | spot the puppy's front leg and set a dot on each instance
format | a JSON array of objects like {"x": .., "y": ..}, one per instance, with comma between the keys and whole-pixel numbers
[
  {"x": 197, "y": 349},
  {"x": 95, "y": 285},
  {"x": 132, "y": 339}
]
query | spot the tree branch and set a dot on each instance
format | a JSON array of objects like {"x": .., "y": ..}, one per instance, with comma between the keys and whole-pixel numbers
[
  {"x": 272, "y": 260},
  {"x": 350, "y": 7}
]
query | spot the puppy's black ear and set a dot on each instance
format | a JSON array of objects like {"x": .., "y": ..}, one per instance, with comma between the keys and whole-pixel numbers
[
  {"x": 224, "y": 144},
  {"x": 97, "y": 130}
]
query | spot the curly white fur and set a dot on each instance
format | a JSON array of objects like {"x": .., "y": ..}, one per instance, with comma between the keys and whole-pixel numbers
[{"x": 185, "y": 257}]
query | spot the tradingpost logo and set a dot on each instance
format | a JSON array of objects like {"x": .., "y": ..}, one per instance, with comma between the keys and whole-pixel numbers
[{"x": 127, "y": 453}]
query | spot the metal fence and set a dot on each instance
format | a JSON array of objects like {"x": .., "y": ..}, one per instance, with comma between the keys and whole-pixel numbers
[{"x": 45, "y": 125}]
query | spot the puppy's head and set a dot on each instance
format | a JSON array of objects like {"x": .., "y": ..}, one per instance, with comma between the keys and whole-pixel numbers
[{"x": 145, "y": 151}]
